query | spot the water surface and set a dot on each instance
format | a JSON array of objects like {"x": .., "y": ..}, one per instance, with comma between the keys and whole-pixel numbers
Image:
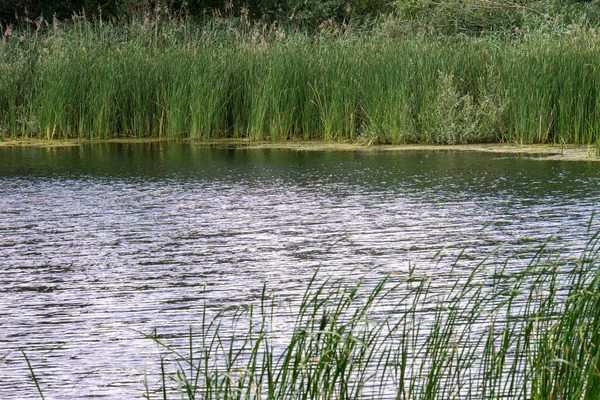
[{"x": 100, "y": 241}]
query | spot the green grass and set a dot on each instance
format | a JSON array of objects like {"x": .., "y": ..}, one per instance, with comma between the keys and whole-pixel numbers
[
  {"x": 497, "y": 332},
  {"x": 175, "y": 80}
]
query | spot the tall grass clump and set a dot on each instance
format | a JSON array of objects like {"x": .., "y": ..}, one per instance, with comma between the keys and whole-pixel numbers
[
  {"x": 555, "y": 98},
  {"x": 17, "y": 67},
  {"x": 174, "y": 79},
  {"x": 528, "y": 327}
]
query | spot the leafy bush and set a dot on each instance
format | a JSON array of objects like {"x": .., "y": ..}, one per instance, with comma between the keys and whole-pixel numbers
[{"x": 454, "y": 118}]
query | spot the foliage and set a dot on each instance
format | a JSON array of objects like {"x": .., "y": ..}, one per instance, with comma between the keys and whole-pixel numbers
[
  {"x": 454, "y": 118},
  {"x": 447, "y": 17},
  {"x": 489, "y": 17},
  {"x": 157, "y": 77}
]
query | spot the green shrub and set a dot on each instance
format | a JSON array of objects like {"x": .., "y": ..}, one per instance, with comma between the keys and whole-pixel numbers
[{"x": 454, "y": 118}]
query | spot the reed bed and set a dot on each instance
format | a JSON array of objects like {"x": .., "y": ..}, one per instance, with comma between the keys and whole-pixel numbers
[
  {"x": 528, "y": 327},
  {"x": 174, "y": 80}
]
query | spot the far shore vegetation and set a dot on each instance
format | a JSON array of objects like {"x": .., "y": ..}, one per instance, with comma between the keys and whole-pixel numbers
[{"x": 370, "y": 72}]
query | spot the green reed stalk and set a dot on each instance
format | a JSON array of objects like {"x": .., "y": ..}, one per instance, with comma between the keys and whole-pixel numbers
[
  {"x": 489, "y": 333},
  {"x": 168, "y": 79},
  {"x": 33, "y": 376}
]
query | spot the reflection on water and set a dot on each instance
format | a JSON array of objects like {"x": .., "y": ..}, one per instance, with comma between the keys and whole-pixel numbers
[{"x": 100, "y": 241}]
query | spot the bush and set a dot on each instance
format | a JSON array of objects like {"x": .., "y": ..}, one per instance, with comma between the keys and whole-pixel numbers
[{"x": 459, "y": 119}]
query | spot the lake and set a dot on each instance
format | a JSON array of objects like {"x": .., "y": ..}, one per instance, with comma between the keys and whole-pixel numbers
[{"x": 100, "y": 242}]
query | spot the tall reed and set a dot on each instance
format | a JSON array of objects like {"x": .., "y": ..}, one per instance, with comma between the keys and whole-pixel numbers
[
  {"x": 501, "y": 331},
  {"x": 100, "y": 80}
]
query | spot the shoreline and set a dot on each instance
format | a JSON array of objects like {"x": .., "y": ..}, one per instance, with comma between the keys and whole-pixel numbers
[{"x": 543, "y": 152}]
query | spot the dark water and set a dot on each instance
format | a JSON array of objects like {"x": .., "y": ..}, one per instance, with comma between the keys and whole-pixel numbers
[{"x": 98, "y": 242}]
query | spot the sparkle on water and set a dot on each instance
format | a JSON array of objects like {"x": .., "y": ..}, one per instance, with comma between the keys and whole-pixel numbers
[{"x": 98, "y": 242}]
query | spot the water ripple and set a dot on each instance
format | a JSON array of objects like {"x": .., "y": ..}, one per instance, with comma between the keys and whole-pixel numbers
[{"x": 92, "y": 252}]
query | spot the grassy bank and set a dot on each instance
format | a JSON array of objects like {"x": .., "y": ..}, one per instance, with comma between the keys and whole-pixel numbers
[
  {"x": 529, "y": 332},
  {"x": 150, "y": 79}
]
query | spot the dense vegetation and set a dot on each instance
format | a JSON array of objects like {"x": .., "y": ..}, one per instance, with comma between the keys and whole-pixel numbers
[
  {"x": 372, "y": 71},
  {"x": 441, "y": 15}
]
